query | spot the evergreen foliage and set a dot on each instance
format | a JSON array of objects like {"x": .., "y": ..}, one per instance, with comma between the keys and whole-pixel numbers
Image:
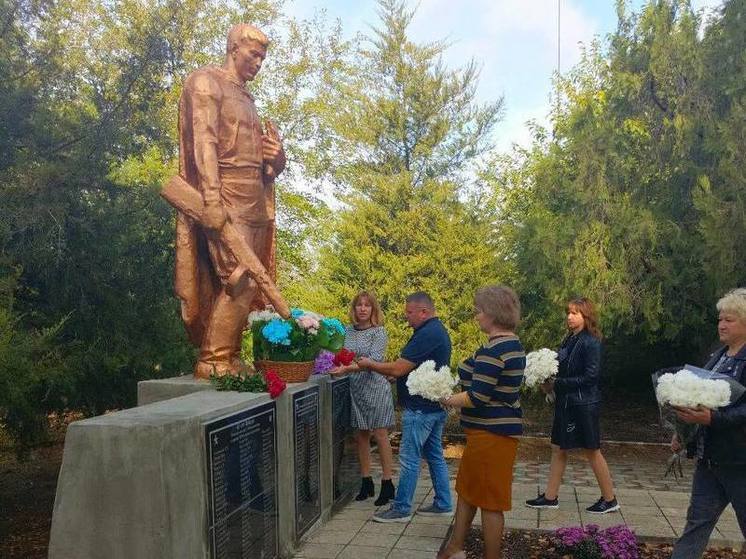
[
  {"x": 635, "y": 198},
  {"x": 407, "y": 134}
]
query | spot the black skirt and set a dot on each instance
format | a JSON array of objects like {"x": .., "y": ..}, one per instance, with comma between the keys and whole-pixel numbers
[{"x": 577, "y": 426}]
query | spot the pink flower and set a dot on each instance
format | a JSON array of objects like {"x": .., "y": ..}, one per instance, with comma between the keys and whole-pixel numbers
[{"x": 309, "y": 323}]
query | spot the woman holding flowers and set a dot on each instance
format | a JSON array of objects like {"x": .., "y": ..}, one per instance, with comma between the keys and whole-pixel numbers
[
  {"x": 372, "y": 403},
  {"x": 491, "y": 418},
  {"x": 577, "y": 406},
  {"x": 720, "y": 445}
]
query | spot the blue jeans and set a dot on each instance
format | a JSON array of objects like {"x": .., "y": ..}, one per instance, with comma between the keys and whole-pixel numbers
[
  {"x": 421, "y": 437},
  {"x": 713, "y": 487}
]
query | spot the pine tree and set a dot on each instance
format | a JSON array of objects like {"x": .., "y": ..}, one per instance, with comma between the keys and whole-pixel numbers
[{"x": 408, "y": 132}]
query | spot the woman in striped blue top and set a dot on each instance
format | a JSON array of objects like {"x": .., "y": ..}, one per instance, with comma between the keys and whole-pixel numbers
[{"x": 491, "y": 417}]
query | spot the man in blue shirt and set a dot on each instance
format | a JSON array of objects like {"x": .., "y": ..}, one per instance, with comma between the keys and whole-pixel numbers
[{"x": 423, "y": 420}]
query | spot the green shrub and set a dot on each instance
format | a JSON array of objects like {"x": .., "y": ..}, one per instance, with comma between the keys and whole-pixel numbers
[{"x": 31, "y": 379}]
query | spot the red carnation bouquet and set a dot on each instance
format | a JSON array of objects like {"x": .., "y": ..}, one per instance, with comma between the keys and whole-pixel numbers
[
  {"x": 344, "y": 357},
  {"x": 275, "y": 385}
]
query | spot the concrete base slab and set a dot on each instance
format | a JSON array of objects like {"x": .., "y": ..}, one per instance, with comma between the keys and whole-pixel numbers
[
  {"x": 157, "y": 390},
  {"x": 133, "y": 483}
]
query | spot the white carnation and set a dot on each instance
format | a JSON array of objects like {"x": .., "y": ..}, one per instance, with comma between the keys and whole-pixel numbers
[
  {"x": 262, "y": 316},
  {"x": 431, "y": 383},
  {"x": 541, "y": 365},
  {"x": 314, "y": 315},
  {"x": 687, "y": 390}
]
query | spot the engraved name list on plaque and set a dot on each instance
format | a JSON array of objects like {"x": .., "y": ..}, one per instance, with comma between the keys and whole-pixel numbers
[
  {"x": 344, "y": 461},
  {"x": 242, "y": 484},
  {"x": 306, "y": 417}
]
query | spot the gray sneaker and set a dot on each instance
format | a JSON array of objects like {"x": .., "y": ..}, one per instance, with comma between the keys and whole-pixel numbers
[
  {"x": 603, "y": 506},
  {"x": 541, "y": 502},
  {"x": 432, "y": 510},
  {"x": 391, "y": 515}
]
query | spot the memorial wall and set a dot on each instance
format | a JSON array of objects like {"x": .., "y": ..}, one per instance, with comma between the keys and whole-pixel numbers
[{"x": 205, "y": 475}]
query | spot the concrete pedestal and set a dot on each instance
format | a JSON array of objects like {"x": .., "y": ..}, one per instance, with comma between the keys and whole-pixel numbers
[
  {"x": 135, "y": 484},
  {"x": 132, "y": 483},
  {"x": 157, "y": 390}
]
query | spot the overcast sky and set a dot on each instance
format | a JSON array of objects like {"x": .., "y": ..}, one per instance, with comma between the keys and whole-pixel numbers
[{"x": 514, "y": 41}]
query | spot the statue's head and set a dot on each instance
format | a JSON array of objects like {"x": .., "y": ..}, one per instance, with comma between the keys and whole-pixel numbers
[{"x": 246, "y": 50}]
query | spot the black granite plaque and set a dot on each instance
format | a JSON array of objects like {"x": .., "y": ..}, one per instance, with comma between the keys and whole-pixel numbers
[
  {"x": 345, "y": 471},
  {"x": 307, "y": 459},
  {"x": 242, "y": 493}
]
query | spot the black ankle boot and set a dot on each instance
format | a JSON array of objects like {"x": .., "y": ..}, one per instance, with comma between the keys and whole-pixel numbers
[
  {"x": 366, "y": 489},
  {"x": 387, "y": 493}
]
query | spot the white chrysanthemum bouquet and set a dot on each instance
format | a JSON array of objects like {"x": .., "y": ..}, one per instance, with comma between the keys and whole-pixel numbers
[
  {"x": 541, "y": 366},
  {"x": 688, "y": 390},
  {"x": 430, "y": 382},
  {"x": 691, "y": 387}
]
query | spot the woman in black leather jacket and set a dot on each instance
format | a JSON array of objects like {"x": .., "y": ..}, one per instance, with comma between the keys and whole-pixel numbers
[
  {"x": 720, "y": 447},
  {"x": 577, "y": 407}
]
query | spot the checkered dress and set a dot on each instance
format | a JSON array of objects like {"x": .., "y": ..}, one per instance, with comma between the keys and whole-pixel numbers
[{"x": 372, "y": 403}]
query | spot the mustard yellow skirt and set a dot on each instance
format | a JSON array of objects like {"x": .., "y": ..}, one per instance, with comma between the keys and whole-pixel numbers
[{"x": 485, "y": 476}]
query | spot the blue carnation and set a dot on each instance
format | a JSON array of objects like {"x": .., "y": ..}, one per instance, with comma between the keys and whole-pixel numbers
[
  {"x": 277, "y": 331},
  {"x": 333, "y": 324},
  {"x": 297, "y": 313}
]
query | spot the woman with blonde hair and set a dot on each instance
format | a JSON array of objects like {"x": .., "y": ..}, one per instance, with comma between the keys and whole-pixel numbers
[
  {"x": 577, "y": 408},
  {"x": 720, "y": 444},
  {"x": 491, "y": 418},
  {"x": 372, "y": 401}
]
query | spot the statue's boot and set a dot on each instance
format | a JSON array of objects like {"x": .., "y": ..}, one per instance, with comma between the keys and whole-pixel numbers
[
  {"x": 221, "y": 343},
  {"x": 237, "y": 364},
  {"x": 244, "y": 299}
]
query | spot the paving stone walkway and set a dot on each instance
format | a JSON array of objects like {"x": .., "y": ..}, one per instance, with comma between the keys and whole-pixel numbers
[
  {"x": 632, "y": 474},
  {"x": 655, "y": 508}
]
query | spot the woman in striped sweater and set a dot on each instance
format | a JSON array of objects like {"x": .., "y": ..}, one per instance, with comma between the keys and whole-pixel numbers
[{"x": 491, "y": 417}]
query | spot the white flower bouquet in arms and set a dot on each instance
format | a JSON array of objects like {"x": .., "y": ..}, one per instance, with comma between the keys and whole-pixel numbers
[
  {"x": 689, "y": 390},
  {"x": 430, "y": 382},
  {"x": 691, "y": 387},
  {"x": 541, "y": 365}
]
